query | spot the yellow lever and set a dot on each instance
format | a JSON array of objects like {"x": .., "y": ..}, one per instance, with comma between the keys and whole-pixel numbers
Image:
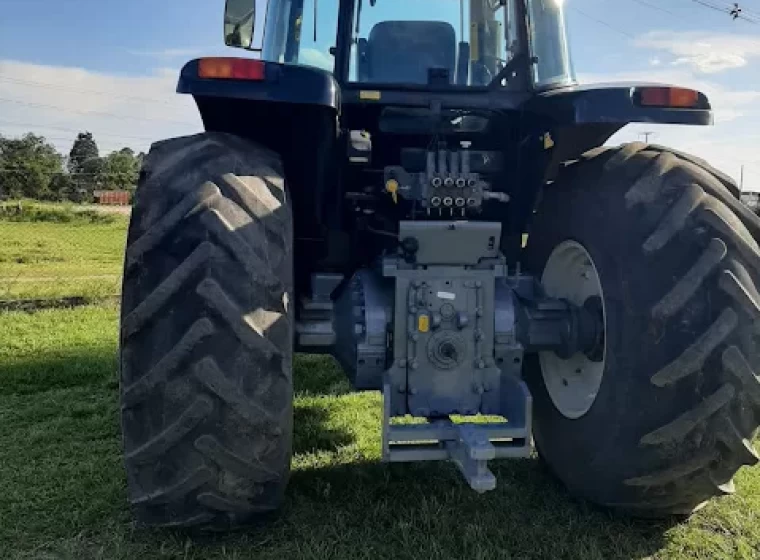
[{"x": 391, "y": 186}]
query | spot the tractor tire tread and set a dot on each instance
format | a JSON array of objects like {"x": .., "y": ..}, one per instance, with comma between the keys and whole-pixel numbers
[
  {"x": 666, "y": 175},
  {"x": 207, "y": 445},
  {"x": 696, "y": 452}
]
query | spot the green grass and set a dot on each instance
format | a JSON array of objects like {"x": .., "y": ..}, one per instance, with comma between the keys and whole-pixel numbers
[
  {"x": 40, "y": 259},
  {"x": 63, "y": 496}
]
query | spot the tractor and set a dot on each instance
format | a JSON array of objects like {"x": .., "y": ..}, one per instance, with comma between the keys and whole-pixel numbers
[{"x": 423, "y": 191}]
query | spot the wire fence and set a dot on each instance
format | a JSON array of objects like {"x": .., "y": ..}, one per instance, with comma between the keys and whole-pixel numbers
[{"x": 60, "y": 255}]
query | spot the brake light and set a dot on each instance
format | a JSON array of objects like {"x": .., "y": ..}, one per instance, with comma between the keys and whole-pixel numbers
[
  {"x": 671, "y": 97},
  {"x": 225, "y": 68}
]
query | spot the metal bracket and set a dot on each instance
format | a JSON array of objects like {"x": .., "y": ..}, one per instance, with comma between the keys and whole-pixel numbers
[
  {"x": 471, "y": 452},
  {"x": 469, "y": 446}
]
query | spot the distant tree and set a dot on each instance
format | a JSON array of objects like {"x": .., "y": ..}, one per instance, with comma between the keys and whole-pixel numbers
[
  {"x": 28, "y": 166},
  {"x": 85, "y": 164},
  {"x": 84, "y": 149},
  {"x": 140, "y": 158},
  {"x": 121, "y": 169},
  {"x": 62, "y": 187}
]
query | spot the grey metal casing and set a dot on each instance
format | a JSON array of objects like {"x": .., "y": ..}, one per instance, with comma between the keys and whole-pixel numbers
[
  {"x": 456, "y": 243},
  {"x": 458, "y": 303}
]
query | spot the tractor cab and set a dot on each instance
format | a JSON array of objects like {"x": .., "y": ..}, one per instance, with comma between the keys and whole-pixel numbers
[{"x": 418, "y": 43}]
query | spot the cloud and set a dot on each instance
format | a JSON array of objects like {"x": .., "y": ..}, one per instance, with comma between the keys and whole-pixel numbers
[
  {"x": 168, "y": 54},
  {"x": 703, "y": 52},
  {"x": 59, "y": 101}
]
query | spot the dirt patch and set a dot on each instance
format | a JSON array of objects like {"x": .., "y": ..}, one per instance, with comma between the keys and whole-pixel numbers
[
  {"x": 105, "y": 209},
  {"x": 32, "y": 305}
]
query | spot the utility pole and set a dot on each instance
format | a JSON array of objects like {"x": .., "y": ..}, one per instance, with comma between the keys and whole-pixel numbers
[
  {"x": 646, "y": 136},
  {"x": 741, "y": 179}
]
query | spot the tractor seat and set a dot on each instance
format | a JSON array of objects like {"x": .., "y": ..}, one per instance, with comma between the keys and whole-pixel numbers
[{"x": 404, "y": 51}]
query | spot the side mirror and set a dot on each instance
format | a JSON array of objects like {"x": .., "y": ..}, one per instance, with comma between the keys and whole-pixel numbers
[{"x": 239, "y": 19}]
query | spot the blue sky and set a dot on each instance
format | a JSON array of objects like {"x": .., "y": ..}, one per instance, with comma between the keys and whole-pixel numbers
[{"x": 111, "y": 67}]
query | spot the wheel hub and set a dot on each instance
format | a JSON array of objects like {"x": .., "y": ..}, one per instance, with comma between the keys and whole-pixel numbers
[{"x": 573, "y": 382}]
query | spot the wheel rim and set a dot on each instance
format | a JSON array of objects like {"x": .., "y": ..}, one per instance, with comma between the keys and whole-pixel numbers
[{"x": 572, "y": 384}]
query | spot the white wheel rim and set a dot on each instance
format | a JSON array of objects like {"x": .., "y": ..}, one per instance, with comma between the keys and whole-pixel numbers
[{"x": 572, "y": 384}]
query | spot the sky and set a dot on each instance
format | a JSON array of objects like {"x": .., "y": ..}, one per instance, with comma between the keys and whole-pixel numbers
[{"x": 111, "y": 67}]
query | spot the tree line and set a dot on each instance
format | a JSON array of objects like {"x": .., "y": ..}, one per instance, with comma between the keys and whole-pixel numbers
[{"x": 31, "y": 167}]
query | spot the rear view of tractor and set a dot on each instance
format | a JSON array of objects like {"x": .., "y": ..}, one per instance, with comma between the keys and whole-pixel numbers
[{"x": 365, "y": 188}]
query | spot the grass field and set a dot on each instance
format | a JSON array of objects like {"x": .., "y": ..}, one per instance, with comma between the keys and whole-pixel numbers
[
  {"x": 63, "y": 486},
  {"x": 62, "y": 492},
  {"x": 56, "y": 260}
]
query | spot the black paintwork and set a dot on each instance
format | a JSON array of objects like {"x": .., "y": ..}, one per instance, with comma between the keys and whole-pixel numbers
[
  {"x": 283, "y": 83},
  {"x": 577, "y": 104},
  {"x": 610, "y": 103},
  {"x": 305, "y": 113}
]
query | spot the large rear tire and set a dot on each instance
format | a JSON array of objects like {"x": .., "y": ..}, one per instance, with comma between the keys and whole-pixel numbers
[
  {"x": 678, "y": 403},
  {"x": 206, "y": 334}
]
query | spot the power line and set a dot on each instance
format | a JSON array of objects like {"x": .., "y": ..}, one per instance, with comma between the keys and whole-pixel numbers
[
  {"x": 100, "y": 143},
  {"x": 738, "y": 6},
  {"x": 716, "y": 8},
  {"x": 48, "y": 137},
  {"x": 97, "y": 113},
  {"x": 602, "y": 22},
  {"x": 77, "y": 131},
  {"x": 654, "y": 7},
  {"x": 725, "y": 10},
  {"x": 56, "y": 87}
]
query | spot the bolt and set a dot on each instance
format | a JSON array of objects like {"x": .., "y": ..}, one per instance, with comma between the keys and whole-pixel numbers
[
  {"x": 478, "y": 335},
  {"x": 477, "y": 388},
  {"x": 459, "y": 201},
  {"x": 436, "y": 182},
  {"x": 415, "y": 337},
  {"x": 413, "y": 391},
  {"x": 417, "y": 284},
  {"x": 461, "y": 183},
  {"x": 402, "y": 363},
  {"x": 448, "y": 201},
  {"x": 479, "y": 312},
  {"x": 414, "y": 364},
  {"x": 478, "y": 283},
  {"x": 412, "y": 309},
  {"x": 435, "y": 201},
  {"x": 462, "y": 320},
  {"x": 481, "y": 364},
  {"x": 448, "y": 182},
  {"x": 401, "y": 388},
  {"x": 472, "y": 202}
]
